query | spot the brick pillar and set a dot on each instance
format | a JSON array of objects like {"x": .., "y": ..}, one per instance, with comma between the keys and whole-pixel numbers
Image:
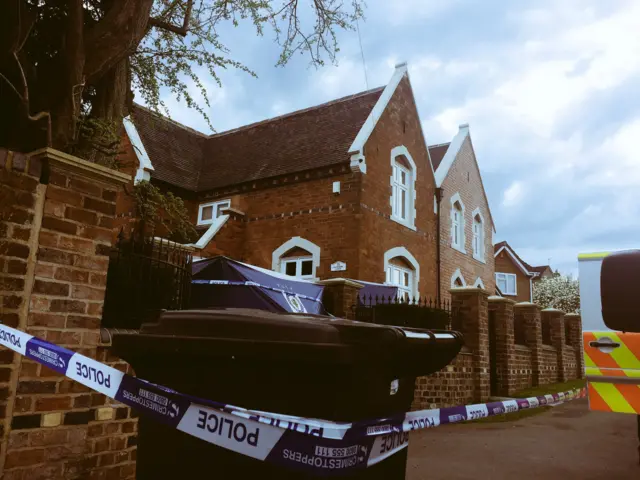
[
  {"x": 472, "y": 306},
  {"x": 21, "y": 201},
  {"x": 502, "y": 310},
  {"x": 340, "y": 296},
  {"x": 529, "y": 314},
  {"x": 555, "y": 318},
  {"x": 51, "y": 434},
  {"x": 575, "y": 340}
]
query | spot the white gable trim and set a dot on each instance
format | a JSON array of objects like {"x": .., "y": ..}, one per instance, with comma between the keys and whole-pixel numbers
[
  {"x": 479, "y": 283},
  {"x": 515, "y": 260},
  {"x": 358, "y": 161},
  {"x": 457, "y": 275},
  {"x": 402, "y": 252},
  {"x": 294, "y": 242},
  {"x": 145, "y": 167},
  {"x": 452, "y": 153},
  {"x": 211, "y": 232}
]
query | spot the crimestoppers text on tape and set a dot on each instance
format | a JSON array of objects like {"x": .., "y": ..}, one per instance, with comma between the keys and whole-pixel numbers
[{"x": 320, "y": 446}]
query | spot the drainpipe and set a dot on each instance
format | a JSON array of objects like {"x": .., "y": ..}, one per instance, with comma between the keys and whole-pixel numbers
[{"x": 438, "y": 200}]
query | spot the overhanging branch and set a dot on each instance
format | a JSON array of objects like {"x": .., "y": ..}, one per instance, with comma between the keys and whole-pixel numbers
[{"x": 182, "y": 31}]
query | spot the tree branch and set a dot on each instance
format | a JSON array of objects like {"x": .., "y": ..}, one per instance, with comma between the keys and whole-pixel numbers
[
  {"x": 26, "y": 103},
  {"x": 115, "y": 36},
  {"x": 182, "y": 31}
]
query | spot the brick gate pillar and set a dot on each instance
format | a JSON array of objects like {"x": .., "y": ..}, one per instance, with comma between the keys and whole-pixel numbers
[
  {"x": 555, "y": 319},
  {"x": 340, "y": 296},
  {"x": 54, "y": 419},
  {"x": 575, "y": 340},
  {"x": 472, "y": 307},
  {"x": 502, "y": 309},
  {"x": 529, "y": 314}
]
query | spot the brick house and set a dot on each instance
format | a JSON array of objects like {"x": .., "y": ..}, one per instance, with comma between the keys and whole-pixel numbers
[
  {"x": 514, "y": 276},
  {"x": 465, "y": 222},
  {"x": 347, "y": 184}
]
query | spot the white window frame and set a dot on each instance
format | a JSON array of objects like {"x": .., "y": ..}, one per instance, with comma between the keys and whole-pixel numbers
[
  {"x": 409, "y": 219},
  {"x": 404, "y": 254},
  {"x": 215, "y": 206},
  {"x": 278, "y": 255},
  {"x": 505, "y": 276},
  {"x": 298, "y": 261},
  {"x": 401, "y": 190},
  {"x": 402, "y": 289},
  {"x": 457, "y": 226},
  {"x": 479, "y": 236}
]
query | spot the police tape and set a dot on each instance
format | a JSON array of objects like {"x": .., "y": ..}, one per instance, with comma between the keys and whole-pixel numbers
[{"x": 320, "y": 446}]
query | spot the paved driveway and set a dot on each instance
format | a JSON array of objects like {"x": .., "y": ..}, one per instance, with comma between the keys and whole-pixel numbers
[{"x": 567, "y": 442}]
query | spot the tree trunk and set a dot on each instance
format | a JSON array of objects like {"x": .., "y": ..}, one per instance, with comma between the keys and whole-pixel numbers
[
  {"x": 116, "y": 36},
  {"x": 66, "y": 111},
  {"x": 112, "y": 92}
]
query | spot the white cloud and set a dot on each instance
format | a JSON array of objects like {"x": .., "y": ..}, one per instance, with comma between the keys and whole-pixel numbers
[
  {"x": 398, "y": 12},
  {"x": 513, "y": 195}
]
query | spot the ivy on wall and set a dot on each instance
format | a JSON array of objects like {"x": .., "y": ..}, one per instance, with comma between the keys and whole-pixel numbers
[{"x": 155, "y": 209}]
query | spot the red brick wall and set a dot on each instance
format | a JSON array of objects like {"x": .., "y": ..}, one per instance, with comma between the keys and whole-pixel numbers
[
  {"x": 454, "y": 385},
  {"x": 464, "y": 178},
  {"x": 549, "y": 365},
  {"x": 20, "y": 197},
  {"x": 399, "y": 125},
  {"x": 504, "y": 264},
  {"x": 570, "y": 362},
  {"x": 522, "y": 371},
  {"x": 302, "y": 207},
  {"x": 65, "y": 233}
]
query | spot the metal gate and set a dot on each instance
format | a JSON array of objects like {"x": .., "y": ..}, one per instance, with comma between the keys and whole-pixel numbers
[{"x": 145, "y": 276}]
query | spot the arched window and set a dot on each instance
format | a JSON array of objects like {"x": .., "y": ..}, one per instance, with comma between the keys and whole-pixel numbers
[
  {"x": 403, "y": 271},
  {"x": 478, "y": 235},
  {"x": 457, "y": 223},
  {"x": 457, "y": 280},
  {"x": 403, "y": 191},
  {"x": 298, "y": 258},
  {"x": 479, "y": 283}
]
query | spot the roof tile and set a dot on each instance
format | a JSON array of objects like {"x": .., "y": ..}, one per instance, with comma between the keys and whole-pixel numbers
[{"x": 315, "y": 137}]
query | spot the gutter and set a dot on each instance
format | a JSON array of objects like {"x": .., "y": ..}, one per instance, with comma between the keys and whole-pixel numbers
[{"x": 438, "y": 274}]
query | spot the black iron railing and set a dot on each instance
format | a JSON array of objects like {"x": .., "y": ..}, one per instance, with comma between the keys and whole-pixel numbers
[
  {"x": 414, "y": 313},
  {"x": 145, "y": 276}
]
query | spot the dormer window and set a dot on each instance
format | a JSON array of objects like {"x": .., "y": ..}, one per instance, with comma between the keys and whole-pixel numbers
[{"x": 208, "y": 212}]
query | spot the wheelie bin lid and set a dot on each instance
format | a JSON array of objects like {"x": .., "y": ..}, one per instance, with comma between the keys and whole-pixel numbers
[{"x": 304, "y": 337}]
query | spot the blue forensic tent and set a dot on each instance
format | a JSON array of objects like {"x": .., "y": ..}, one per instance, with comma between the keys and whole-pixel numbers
[
  {"x": 376, "y": 291},
  {"x": 222, "y": 282}
]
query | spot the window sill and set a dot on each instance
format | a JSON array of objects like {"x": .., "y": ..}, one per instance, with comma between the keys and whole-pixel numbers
[
  {"x": 404, "y": 223},
  {"x": 460, "y": 249},
  {"x": 480, "y": 259}
]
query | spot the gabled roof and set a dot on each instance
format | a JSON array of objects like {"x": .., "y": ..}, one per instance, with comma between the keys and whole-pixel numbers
[
  {"x": 437, "y": 152},
  {"x": 524, "y": 266},
  {"x": 175, "y": 151},
  {"x": 443, "y": 156},
  {"x": 521, "y": 264},
  {"x": 316, "y": 137}
]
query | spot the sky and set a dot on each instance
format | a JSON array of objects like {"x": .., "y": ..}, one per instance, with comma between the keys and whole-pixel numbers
[{"x": 550, "y": 89}]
